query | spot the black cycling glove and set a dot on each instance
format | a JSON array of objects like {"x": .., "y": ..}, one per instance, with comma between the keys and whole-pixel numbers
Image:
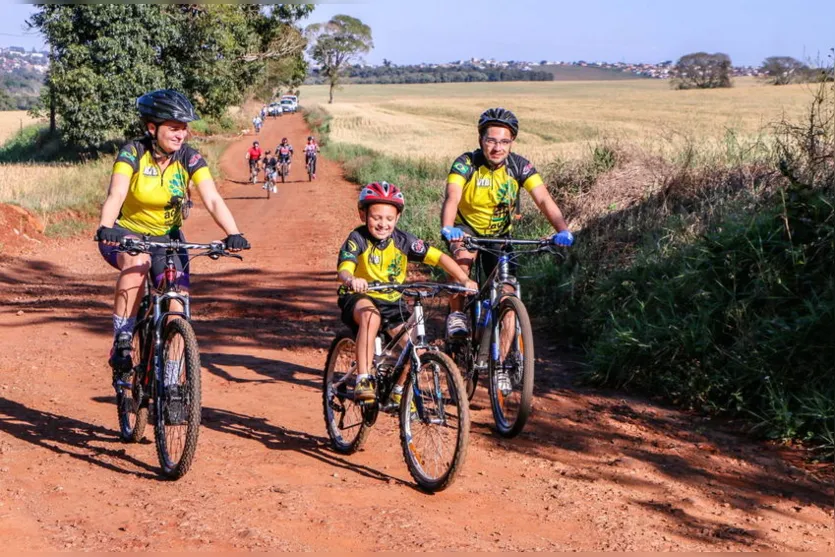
[
  {"x": 107, "y": 234},
  {"x": 236, "y": 241}
]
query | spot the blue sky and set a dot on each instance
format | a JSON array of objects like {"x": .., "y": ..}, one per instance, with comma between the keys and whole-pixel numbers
[{"x": 592, "y": 30}]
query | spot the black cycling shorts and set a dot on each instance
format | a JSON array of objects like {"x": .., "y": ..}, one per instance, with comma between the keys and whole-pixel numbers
[{"x": 392, "y": 313}]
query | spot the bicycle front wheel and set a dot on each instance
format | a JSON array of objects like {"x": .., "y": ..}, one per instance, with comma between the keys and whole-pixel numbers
[
  {"x": 344, "y": 421},
  {"x": 178, "y": 399},
  {"x": 132, "y": 401},
  {"x": 434, "y": 422},
  {"x": 511, "y": 367}
]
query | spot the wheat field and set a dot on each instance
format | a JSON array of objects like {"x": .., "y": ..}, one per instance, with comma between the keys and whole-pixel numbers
[
  {"x": 11, "y": 121},
  {"x": 558, "y": 119}
]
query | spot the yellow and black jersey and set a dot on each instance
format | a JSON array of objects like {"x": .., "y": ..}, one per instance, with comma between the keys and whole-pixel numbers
[
  {"x": 154, "y": 202},
  {"x": 490, "y": 195},
  {"x": 383, "y": 260}
]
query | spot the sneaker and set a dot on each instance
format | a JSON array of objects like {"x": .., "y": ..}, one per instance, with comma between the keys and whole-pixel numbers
[
  {"x": 314, "y": 175},
  {"x": 120, "y": 356},
  {"x": 175, "y": 407},
  {"x": 503, "y": 383},
  {"x": 364, "y": 390},
  {"x": 395, "y": 399},
  {"x": 456, "y": 324}
]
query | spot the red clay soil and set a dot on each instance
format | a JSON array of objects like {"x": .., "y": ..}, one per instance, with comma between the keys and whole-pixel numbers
[{"x": 593, "y": 470}]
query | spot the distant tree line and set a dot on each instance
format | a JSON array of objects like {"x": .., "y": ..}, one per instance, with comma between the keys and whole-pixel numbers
[
  {"x": 700, "y": 70},
  {"x": 417, "y": 74}
]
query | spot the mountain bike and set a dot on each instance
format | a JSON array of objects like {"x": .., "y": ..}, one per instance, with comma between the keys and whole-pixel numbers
[
  {"x": 164, "y": 385},
  {"x": 254, "y": 169},
  {"x": 434, "y": 414},
  {"x": 283, "y": 170},
  {"x": 500, "y": 341},
  {"x": 311, "y": 167},
  {"x": 269, "y": 184}
]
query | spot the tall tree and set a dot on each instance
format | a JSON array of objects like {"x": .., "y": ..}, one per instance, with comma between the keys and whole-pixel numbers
[
  {"x": 335, "y": 44},
  {"x": 106, "y": 55},
  {"x": 782, "y": 70},
  {"x": 701, "y": 70},
  {"x": 90, "y": 45}
]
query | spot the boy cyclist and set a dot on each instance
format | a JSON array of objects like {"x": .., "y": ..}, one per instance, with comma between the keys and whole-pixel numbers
[
  {"x": 379, "y": 251},
  {"x": 270, "y": 170}
]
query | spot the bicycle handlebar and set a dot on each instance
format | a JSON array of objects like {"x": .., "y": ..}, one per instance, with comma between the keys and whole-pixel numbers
[
  {"x": 472, "y": 241},
  {"x": 420, "y": 289},
  {"x": 135, "y": 246}
]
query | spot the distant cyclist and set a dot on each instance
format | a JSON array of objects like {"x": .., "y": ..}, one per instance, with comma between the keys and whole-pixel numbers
[
  {"x": 149, "y": 182},
  {"x": 310, "y": 150},
  {"x": 253, "y": 155},
  {"x": 284, "y": 152},
  {"x": 257, "y": 122},
  {"x": 481, "y": 194}
]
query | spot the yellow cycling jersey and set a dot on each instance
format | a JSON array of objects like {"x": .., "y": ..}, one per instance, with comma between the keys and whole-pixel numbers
[
  {"x": 490, "y": 195},
  {"x": 154, "y": 202},
  {"x": 383, "y": 260}
]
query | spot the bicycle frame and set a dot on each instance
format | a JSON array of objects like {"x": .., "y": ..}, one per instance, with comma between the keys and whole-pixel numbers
[{"x": 387, "y": 375}]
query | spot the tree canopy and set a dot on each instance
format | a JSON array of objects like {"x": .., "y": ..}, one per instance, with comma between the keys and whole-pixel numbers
[
  {"x": 782, "y": 70},
  {"x": 103, "y": 56},
  {"x": 336, "y": 44},
  {"x": 701, "y": 70}
]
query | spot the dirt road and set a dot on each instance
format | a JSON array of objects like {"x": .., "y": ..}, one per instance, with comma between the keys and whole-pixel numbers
[{"x": 593, "y": 471}]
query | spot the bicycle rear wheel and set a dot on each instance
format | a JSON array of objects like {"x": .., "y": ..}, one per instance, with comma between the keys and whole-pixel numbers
[
  {"x": 511, "y": 375},
  {"x": 269, "y": 188},
  {"x": 347, "y": 429},
  {"x": 132, "y": 402},
  {"x": 434, "y": 422},
  {"x": 178, "y": 399}
]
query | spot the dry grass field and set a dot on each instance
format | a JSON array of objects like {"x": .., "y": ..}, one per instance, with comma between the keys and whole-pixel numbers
[
  {"x": 11, "y": 121},
  {"x": 558, "y": 118}
]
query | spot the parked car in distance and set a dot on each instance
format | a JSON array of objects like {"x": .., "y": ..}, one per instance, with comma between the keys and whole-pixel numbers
[
  {"x": 287, "y": 105},
  {"x": 274, "y": 109}
]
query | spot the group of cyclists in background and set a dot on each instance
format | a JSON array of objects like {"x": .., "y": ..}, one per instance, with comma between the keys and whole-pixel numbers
[
  {"x": 278, "y": 163},
  {"x": 150, "y": 184}
]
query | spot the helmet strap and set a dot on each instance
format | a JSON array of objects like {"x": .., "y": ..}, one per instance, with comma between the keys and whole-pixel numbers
[{"x": 158, "y": 152}]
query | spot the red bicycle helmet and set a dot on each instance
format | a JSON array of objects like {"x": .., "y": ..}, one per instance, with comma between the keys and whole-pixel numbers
[{"x": 381, "y": 192}]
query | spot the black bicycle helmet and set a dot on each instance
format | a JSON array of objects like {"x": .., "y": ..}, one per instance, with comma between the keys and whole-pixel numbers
[
  {"x": 165, "y": 104},
  {"x": 498, "y": 117}
]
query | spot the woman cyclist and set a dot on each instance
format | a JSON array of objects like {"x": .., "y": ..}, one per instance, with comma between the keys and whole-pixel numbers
[
  {"x": 148, "y": 185},
  {"x": 310, "y": 150}
]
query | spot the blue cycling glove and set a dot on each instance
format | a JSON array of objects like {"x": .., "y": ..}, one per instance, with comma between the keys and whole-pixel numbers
[
  {"x": 564, "y": 238},
  {"x": 451, "y": 233}
]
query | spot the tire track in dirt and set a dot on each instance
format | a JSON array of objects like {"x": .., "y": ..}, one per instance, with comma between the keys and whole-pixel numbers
[{"x": 592, "y": 471}]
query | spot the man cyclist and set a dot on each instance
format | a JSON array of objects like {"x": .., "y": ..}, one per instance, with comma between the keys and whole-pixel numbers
[
  {"x": 149, "y": 182},
  {"x": 256, "y": 123},
  {"x": 310, "y": 150},
  {"x": 253, "y": 155},
  {"x": 284, "y": 152},
  {"x": 481, "y": 194}
]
